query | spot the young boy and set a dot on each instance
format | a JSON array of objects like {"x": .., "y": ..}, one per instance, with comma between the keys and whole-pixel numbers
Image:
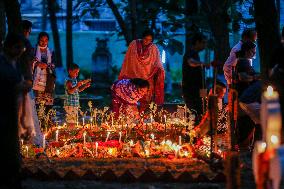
[
  {"x": 72, "y": 89},
  {"x": 125, "y": 95}
]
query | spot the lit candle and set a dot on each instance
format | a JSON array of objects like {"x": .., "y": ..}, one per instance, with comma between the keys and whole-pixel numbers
[
  {"x": 179, "y": 140},
  {"x": 165, "y": 118},
  {"x": 56, "y": 135},
  {"x": 57, "y": 152},
  {"x": 22, "y": 142},
  {"x": 43, "y": 141},
  {"x": 27, "y": 149},
  {"x": 119, "y": 137},
  {"x": 96, "y": 148},
  {"x": 83, "y": 121},
  {"x": 84, "y": 138},
  {"x": 108, "y": 133},
  {"x": 271, "y": 118}
]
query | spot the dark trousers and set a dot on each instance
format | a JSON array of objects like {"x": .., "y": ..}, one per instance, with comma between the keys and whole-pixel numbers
[{"x": 193, "y": 102}]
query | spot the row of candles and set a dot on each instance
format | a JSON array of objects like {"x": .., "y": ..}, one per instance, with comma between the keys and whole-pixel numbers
[
  {"x": 108, "y": 133},
  {"x": 152, "y": 136},
  {"x": 85, "y": 133}
]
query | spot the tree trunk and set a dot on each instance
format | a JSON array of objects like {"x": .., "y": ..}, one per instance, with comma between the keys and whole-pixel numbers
[
  {"x": 133, "y": 16},
  {"x": 121, "y": 22},
  {"x": 2, "y": 24},
  {"x": 69, "y": 47},
  {"x": 267, "y": 27},
  {"x": 44, "y": 16},
  {"x": 220, "y": 32},
  {"x": 218, "y": 20},
  {"x": 55, "y": 34},
  {"x": 13, "y": 14},
  {"x": 191, "y": 8}
]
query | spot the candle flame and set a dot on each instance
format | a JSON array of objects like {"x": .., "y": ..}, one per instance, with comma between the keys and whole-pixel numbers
[
  {"x": 269, "y": 91},
  {"x": 263, "y": 145},
  {"x": 274, "y": 139}
]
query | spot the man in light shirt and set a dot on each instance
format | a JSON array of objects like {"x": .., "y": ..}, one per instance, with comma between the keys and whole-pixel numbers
[{"x": 247, "y": 35}]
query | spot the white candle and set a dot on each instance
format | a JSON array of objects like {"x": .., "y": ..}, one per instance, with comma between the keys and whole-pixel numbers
[
  {"x": 179, "y": 140},
  {"x": 43, "y": 141},
  {"x": 22, "y": 142},
  {"x": 108, "y": 133},
  {"x": 84, "y": 138},
  {"x": 119, "y": 137},
  {"x": 56, "y": 135},
  {"x": 57, "y": 152},
  {"x": 27, "y": 149},
  {"x": 165, "y": 118},
  {"x": 271, "y": 118},
  {"x": 96, "y": 148}
]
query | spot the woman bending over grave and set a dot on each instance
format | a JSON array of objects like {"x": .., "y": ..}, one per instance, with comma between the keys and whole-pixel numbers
[{"x": 125, "y": 95}]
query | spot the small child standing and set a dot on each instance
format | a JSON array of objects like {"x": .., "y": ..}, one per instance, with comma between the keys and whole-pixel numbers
[
  {"x": 72, "y": 89},
  {"x": 125, "y": 95}
]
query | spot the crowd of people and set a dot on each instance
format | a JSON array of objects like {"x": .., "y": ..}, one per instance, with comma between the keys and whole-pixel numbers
[{"x": 28, "y": 76}]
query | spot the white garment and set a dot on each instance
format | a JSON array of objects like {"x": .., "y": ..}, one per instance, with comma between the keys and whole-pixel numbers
[
  {"x": 230, "y": 62},
  {"x": 25, "y": 121},
  {"x": 41, "y": 74}
]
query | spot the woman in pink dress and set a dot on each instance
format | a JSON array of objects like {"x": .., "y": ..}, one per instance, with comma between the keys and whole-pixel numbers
[{"x": 142, "y": 60}]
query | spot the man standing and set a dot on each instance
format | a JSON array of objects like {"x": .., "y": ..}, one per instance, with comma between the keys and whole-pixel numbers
[
  {"x": 142, "y": 60},
  {"x": 192, "y": 74}
]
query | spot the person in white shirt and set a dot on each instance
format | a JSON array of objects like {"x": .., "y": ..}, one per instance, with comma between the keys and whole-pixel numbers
[{"x": 247, "y": 35}]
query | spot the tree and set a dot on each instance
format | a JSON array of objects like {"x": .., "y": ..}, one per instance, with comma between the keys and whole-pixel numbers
[
  {"x": 51, "y": 4},
  {"x": 44, "y": 15},
  {"x": 267, "y": 27},
  {"x": 135, "y": 16},
  {"x": 2, "y": 24},
  {"x": 69, "y": 46},
  {"x": 218, "y": 20},
  {"x": 13, "y": 14},
  {"x": 191, "y": 10}
]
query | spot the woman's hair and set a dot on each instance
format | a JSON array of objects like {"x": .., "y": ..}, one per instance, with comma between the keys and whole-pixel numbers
[
  {"x": 147, "y": 33},
  {"x": 41, "y": 34},
  {"x": 140, "y": 83},
  {"x": 246, "y": 46},
  {"x": 248, "y": 33}
]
